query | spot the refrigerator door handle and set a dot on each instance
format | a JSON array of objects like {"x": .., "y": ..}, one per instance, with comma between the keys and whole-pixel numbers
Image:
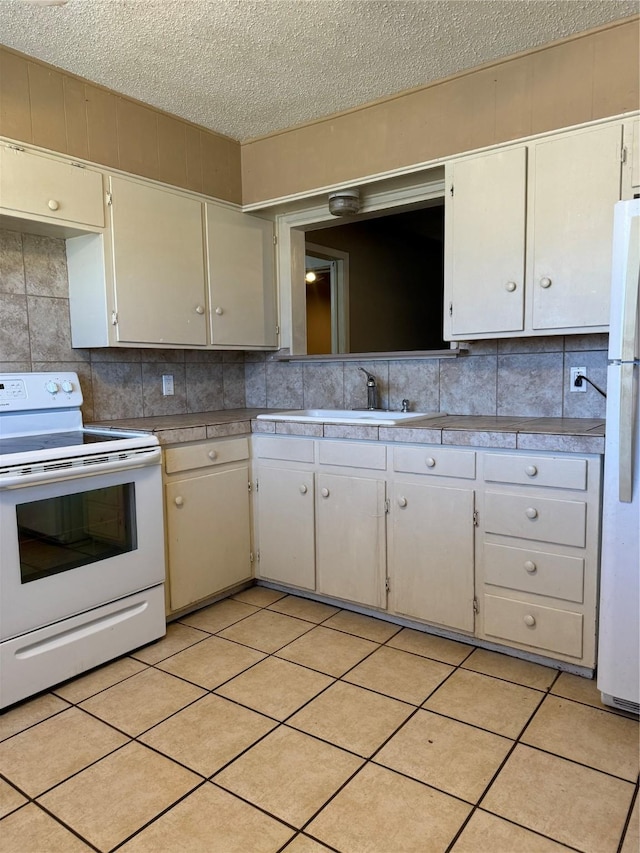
[
  {"x": 625, "y": 438},
  {"x": 629, "y": 326}
]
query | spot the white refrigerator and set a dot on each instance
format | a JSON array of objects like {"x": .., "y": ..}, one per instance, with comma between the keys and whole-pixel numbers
[{"x": 619, "y": 628}]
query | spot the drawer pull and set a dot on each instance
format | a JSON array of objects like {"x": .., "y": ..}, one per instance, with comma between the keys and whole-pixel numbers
[
  {"x": 530, "y": 620},
  {"x": 53, "y": 204},
  {"x": 179, "y": 501},
  {"x": 510, "y": 286},
  {"x": 212, "y": 454},
  {"x": 430, "y": 462},
  {"x": 530, "y": 567},
  {"x": 199, "y": 309},
  {"x": 324, "y": 493},
  {"x": 531, "y": 512},
  {"x": 219, "y": 311},
  {"x": 402, "y": 501},
  {"x": 545, "y": 282},
  {"x": 531, "y": 470},
  {"x": 303, "y": 489}
]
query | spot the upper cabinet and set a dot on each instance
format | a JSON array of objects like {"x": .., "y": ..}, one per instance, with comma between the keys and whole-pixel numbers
[
  {"x": 528, "y": 233},
  {"x": 41, "y": 188},
  {"x": 172, "y": 271}
]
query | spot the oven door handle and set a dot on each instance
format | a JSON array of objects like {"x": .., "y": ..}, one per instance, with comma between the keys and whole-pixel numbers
[{"x": 140, "y": 459}]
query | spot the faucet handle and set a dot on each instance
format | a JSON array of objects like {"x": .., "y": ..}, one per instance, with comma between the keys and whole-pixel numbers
[
  {"x": 405, "y": 405},
  {"x": 371, "y": 379}
]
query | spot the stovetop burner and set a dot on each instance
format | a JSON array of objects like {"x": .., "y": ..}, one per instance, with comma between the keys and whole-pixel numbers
[{"x": 52, "y": 440}]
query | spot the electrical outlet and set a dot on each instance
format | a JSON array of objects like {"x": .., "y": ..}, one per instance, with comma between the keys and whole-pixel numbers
[
  {"x": 575, "y": 372},
  {"x": 167, "y": 385}
]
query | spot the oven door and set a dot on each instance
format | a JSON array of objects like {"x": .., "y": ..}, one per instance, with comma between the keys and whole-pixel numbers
[{"x": 74, "y": 544}]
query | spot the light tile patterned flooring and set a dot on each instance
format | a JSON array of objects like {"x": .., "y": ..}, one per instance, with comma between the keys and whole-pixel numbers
[{"x": 268, "y": 722}]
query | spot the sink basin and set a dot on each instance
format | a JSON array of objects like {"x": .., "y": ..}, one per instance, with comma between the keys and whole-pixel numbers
[{"x": 350, "y": 416}]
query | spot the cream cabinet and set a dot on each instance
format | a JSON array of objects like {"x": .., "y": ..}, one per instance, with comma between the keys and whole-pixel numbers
[
  {"x": 49, "y": 189},
  {"x": 172, "y": 271},
  {"x": 431, "y": 536},
  {"x": 208, "y": 524},
  {"x": 528, "y": 236},
  {"x": 538, "y": 553}
]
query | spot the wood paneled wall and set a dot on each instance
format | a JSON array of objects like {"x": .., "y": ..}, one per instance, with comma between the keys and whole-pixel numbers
[
  {"x": 581, "y": 79},
  {"x": 48, "y": 107}
]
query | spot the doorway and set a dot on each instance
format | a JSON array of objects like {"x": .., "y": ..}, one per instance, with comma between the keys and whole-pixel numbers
[{"x": 327, "y": 299}]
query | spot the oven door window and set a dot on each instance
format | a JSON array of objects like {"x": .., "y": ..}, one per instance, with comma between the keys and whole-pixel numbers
[{"x": 62, "y": 533}]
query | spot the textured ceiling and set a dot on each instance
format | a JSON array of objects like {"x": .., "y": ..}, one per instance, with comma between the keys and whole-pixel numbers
[{"x": 248, "y": 67}]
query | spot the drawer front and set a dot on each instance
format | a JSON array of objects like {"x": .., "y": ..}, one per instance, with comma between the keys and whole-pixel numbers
[
  {"x": 436, "y": 461},
  {"x": 284, "y": 449},
  {"x": 553, "y": 575},
  {"x": 529, "y": 624},
  {"x": 205, "y": 455},
  {"x": 353, "y": 454},
  {"x": 530, "y": 517},
  {"x": 536, "y": 471}
]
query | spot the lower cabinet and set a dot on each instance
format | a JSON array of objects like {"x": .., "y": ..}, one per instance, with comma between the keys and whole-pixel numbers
[
  {"x": 498, "y": 545},
  {"x": 208, "y": 522}
]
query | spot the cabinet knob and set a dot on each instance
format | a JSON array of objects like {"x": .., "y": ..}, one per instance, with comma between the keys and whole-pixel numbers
[
  {"x": 52, "y": 204},
  {"x": 303, "y": 489},
  {"x": 531, "y": 470},
  {"x": 178, "y": 501},
  {"x": 531, "y": 512},
  {"x": 199, "y": 309},
  {"x": 510, "y": 286},
  {"x": 324, "y": 493},
  {"x": 530, "y": 567},
  {"x": 402, "y": 501},
  {"x": 219, "y": 311},
  {"x": 529, "y": 620},
  {"x": 430, "y": 462},
  {"x": 545, "y": 282},
  {"x": 212, "y": 454}
]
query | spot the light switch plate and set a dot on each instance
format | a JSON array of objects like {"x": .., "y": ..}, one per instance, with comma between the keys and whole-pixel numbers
[{"x": 167, "y": 385}]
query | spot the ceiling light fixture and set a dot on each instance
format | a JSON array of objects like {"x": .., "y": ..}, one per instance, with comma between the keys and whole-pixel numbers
[
  {"x": 310, "y": 277},
  {"x": 344, "y": 202}
]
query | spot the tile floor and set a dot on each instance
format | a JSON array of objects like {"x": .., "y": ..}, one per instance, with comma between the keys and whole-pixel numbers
[{"x": 272, "y": 723}]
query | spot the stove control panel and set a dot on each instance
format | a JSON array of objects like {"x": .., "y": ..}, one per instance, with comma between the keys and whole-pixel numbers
[{"x": 20, "y": 392}]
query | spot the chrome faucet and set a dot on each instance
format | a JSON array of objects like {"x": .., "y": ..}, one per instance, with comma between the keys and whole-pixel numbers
[
  {"x": 405, "y": 405},
  {"x": 372, "y": 389}
]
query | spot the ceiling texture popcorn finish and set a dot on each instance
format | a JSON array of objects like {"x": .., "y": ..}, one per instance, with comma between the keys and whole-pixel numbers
[{"x": 246, "y": 68}]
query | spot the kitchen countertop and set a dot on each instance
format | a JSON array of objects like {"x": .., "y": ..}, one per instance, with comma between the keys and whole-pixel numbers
[{"x": 571, "y": 435}]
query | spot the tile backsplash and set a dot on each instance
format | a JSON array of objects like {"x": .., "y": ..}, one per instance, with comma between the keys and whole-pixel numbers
[{"x": 519, "y": 376}]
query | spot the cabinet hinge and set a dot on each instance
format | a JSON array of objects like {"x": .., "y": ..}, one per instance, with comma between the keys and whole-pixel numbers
[
  {"x": 275, "y": 239},
  {"x": 476, "y": 606},
  {"x": 451, "y": 309},
  {"x": 277, "y": 330},
  {"x": 251, "y": 556},
  {"x": 258, "y": 555},
  {"x": 257, "y": 485},
  {"x": 78, "y": 165},
  {"x": 249, "y": 485},
  {"x": 387, "y": 505},
  {"x": 451, "y": 191},
  {"x": 109, "y": 197},
  {"x": 623, "y": 154},
  {"x": 387, "y": 585},
  {"x": 15, "y": 147},
  {"x": 475, "y": 518},
  {"x": 114, "y": 318}
]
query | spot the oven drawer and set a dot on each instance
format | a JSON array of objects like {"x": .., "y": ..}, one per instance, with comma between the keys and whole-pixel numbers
[
  {"x": 533, "y": 571},
  {"x": 528, "y": 624},
  {"x": 555, "y": 472},
  {"x": 205, "y": 454},
  {"x": 562, "y": 522},
  {"x": 436, "y": 461}
]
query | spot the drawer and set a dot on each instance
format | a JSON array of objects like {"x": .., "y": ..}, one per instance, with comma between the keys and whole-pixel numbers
[
  {"x": 205, "y": 455},
  {"x": 553, "y": 575},
  {"x": 436, "y": 461},
  {"x": 530, "y": 517},
  {"x": 353, "y": 454},
  {"x": 285, "y": 449},
  {"x": 529, "y": 624},
  {"x": 556, "y": 472}
]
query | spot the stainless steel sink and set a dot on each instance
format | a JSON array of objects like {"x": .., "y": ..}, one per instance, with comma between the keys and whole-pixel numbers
[{"x": 369, "y": 417}]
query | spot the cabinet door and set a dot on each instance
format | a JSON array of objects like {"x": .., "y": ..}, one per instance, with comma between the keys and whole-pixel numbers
[
  {"x": 576, "y": 182},
  {"x": 351, "y": 539},
  {"x": 287, "y": 519},
  {"x": 42, "y": 186},
  {"x": 485, "y": 243},
  {"x": 208, "y": 534},
  {"x": 158, "y": 260},
  {"x": 240, "y": 258},
  {"x": 431, "y": 559}
]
